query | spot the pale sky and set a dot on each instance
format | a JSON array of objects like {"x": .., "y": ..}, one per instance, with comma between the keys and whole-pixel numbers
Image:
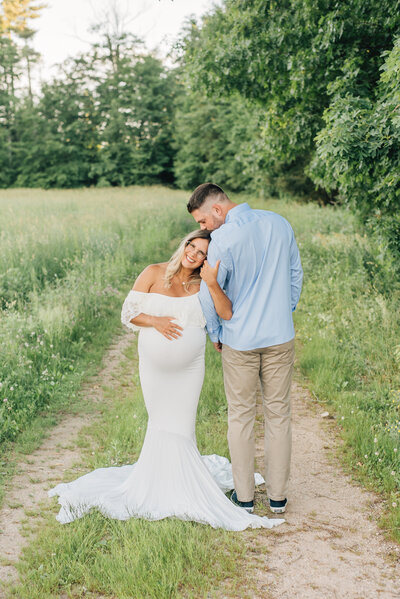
[{"x": 62, "y": 29}]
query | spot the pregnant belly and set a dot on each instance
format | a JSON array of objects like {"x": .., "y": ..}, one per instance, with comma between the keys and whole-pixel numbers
[
  {"x": 171, "y": 375},
  {"x": 177, "y": 354}
]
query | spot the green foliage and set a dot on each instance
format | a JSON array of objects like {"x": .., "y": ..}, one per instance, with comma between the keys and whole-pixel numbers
[
  {"x": 9, "y": 70},
  {"x": 358, "y": 152},
  {"x": 106, "y": 119},
  {"x": 57, "y": 139},
  {"x": 290, "y": 57},
  {"x": 136, "y": 106},
  {"x": 214, "y": 141}
]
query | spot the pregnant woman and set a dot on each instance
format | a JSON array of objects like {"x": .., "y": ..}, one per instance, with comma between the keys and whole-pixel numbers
[{"x": 170, "y": 478}]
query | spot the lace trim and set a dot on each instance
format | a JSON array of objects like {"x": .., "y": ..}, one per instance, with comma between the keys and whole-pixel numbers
[{"x": 131, "y": 308}]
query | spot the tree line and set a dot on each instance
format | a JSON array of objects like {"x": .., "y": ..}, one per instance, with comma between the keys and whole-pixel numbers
[{"x": 299, "y": 95}]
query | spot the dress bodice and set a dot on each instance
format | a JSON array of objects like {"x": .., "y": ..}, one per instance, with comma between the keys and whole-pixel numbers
[{"x": 186, "y": 310}]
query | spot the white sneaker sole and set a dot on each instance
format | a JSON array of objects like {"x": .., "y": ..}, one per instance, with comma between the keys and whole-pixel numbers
[
  {"x": 278, "y": 510},
  {"x": 250, "y": 510}
]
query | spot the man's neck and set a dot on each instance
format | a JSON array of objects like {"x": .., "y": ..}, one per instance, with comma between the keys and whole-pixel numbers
[{"x": 229, "y": 207}]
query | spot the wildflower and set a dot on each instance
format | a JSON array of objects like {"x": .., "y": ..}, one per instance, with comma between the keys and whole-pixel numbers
[
  {"x": 375, "y": 440},
  {"x": 395, "y": 449},
  {"x": 342, "y": 417},
  {"x": 393, "y": 473},
  {"x": 394, "y": 504},
  {"x": 365, "y": 456},
  {"x": 11, "y": 388},
  {"x": 376, "y": 452},
  {"x": 5, "y": 400}
]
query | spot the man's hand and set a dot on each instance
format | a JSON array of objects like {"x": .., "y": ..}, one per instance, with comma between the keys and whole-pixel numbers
[
  {"x": 208, "y": 273},
  {"x": 218, "y": 346}
]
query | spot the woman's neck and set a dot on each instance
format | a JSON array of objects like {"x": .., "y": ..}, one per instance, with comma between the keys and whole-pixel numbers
[{"x": 184, "y": 274}]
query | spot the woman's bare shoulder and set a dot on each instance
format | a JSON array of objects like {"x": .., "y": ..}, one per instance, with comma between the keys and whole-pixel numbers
[{"x": 149, "y": 276}]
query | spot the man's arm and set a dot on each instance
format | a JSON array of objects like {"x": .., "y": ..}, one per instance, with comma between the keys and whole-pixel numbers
[
  {"x": 222, "y": 303},
  {"x": 207, "y": 304},
  {"x": 296, "y": 273}
]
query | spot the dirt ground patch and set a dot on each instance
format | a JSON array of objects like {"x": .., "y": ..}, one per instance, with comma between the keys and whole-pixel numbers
[{"x": 330, "y": 546}]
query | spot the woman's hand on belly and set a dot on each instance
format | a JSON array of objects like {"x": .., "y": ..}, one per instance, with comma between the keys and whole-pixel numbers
[{"x": 165, "y": 326}]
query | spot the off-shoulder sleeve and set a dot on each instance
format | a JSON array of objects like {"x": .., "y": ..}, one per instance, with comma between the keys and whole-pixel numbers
[{"x": 132, "y": 307}]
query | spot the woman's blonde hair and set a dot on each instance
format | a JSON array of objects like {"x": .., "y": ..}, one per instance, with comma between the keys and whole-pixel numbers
[{"x": 175, "y": 262}]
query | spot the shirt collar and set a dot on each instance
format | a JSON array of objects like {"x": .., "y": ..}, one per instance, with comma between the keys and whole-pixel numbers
[{"x": 236, "y": 211}]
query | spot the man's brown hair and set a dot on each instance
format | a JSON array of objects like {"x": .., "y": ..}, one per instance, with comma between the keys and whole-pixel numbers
[{"x": 202, "y": 192}]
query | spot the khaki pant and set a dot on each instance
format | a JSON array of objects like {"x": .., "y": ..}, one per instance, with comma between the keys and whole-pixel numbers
[{"x": 243, "y": 371}]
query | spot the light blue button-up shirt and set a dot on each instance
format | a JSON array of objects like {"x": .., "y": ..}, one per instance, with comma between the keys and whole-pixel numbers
[{"x": 260, "y": 272}]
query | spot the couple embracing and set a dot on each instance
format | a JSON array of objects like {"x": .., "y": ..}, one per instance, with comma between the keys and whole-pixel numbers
[{"x": 239, "y": 276}]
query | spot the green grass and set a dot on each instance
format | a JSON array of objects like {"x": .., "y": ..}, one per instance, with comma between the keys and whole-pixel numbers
[{"x": 135, "y": 558}]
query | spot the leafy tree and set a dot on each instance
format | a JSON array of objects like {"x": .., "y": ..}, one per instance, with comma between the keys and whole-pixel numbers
[
  {"x": 358, "y": 150},
  {"x": 215, "y": 140},
  {"x": 9, "y": 69},
  {"x": 29, "y": 56},
  {"x": 58, "y": 138},
  {"x": 286, "y": 56},
  {"x": 14, "y": 18},
  {"x": 105, "y": 120},
  {"x": 136, "y": 105}
]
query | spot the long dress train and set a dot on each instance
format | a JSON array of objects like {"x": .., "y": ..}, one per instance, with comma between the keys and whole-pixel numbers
[{"x": 170, "y": 478}]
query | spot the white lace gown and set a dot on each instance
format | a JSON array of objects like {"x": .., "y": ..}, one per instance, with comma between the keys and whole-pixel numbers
[{"x": 170, "y": 478}]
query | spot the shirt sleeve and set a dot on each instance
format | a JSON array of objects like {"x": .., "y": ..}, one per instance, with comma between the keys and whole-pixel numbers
[
  {"x": 296, "y": 273},
  {"x": 207, "y": 304}
]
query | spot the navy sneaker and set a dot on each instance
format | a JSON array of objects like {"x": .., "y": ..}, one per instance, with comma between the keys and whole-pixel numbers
[
  {"x": 277, "y": 507},
  {"x": 247, "y": 505}
]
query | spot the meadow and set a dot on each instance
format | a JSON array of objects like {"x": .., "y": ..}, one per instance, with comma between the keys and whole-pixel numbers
[{"x": 67, "y": 260}]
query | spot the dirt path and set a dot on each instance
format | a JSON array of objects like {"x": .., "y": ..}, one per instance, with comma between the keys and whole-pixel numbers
[
  {"x": 331, "y": 547},
  {"x": 56, "y": 454}
]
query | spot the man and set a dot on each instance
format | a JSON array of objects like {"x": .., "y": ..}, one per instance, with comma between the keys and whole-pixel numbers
[{"x": 261, "y": 273}]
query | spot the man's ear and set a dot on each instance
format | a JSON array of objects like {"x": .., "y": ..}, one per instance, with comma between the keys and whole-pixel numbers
[{"x": 217, "y": 209}]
